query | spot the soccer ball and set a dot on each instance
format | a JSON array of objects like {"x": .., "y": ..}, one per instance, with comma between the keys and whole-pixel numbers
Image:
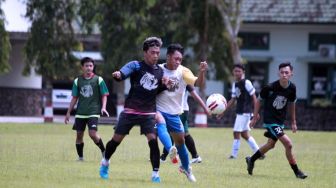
[{"x": 216, "y": 103}]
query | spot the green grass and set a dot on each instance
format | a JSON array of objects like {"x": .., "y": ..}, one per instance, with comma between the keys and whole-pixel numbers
[{"x": 44, "y": 155}]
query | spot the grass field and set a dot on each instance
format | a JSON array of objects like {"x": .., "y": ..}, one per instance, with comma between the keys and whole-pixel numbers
[{"x": 44, "y": 155}]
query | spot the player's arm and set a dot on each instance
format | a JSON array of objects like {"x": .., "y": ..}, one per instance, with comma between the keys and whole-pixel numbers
[
  {"x": 71, "y": 106},
  {"x": 194, "y": 94},
  {"x": 231, "y": 103},
  {"x": 203, "y": 67},
  {"x": 104, "y": 93},
  {"x": 126, "y": 70},
  {"x": 292, "y": 115},
  {"x": 256, "y": 109}
]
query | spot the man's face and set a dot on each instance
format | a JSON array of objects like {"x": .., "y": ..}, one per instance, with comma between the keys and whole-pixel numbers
[
  {"x": 87, "y": 68},
  {"x": 238, "y": 73},
  {"x": 174, "y": 60},
  {"x": 152, "y": 55},
  {"x": 285, "y": 73}
]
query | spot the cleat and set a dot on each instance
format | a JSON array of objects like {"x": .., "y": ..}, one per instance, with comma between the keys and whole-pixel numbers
[
  {"x": 250, "y": 165},
  {"x": 188, "y": 173},
  {"x": 173, "y": 155},
  {"x": 156, "y": 179},
  {"x": 163, "y": 158},
  {"x": 103, "y": 171},
  {"x": 232, "y": 157},
  {"x": 196, "y": 160},
  {"x": 300, "y": 175}
]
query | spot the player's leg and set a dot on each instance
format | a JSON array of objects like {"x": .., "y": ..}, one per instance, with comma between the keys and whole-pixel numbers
[
  {"x": 246, "y": 133},
  {"x": 189, "y": 140},
  {"x": 285, "y": 140},
  {"x": 147, "y": 128},
  {"x": 79, "y": 126},
  {"x": 162, "y": 131},
  {"x": 237, "y": 129},
  {"x": 122, "y": 129},
  {"x": 93, "y": 128},
  {"x": 165, "y": 152}
]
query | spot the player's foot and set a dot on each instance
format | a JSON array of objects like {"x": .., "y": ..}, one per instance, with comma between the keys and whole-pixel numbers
[
  {"x": 156, "y": 179},
  {"x": 103, "y": 171},
  {"x": 80, "y": 159},
  {"x": 188, "y": 173},
  {"x": 300, "y": 175},
  {"x": 250, "y": 165},
  {"x": 232, "y": 157},
  {"x": 163, "y": 158},
  {"x": 173, "y": 155},
  {"x": 196, "y": 160}
]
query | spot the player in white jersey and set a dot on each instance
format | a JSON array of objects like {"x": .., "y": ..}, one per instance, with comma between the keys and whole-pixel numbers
[{"x": 169, "y": 103}]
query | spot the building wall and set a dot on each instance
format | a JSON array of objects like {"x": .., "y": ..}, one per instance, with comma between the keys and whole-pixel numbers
[
  {"x": 288, "y": 43},
  {"x": 15, "y": 79}
]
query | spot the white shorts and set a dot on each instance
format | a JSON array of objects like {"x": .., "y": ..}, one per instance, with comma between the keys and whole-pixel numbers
[{"x": 242, "y": 122}]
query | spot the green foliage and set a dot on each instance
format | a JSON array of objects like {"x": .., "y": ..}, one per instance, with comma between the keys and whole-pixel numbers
[
  {"x": 44, "y": 155},
  {"x": 5, "y": 45},
  {"x": 51, "y": 39}
]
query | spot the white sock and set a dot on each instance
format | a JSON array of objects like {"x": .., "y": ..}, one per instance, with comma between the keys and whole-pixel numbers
[
  {"x": 235, "y": 147},
  {"x": 105, "y": 162},
  {"x": 254, "y": 146},
  {"x": 155, "y": 173}
]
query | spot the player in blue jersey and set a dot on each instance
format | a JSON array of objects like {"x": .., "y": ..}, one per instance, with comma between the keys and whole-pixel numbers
[
  {"x": 277, "y": 97},
  {"x": 170, "y": 104},
  {"x": 146, "y": 79},
  {"x": 243, "y": 93}
]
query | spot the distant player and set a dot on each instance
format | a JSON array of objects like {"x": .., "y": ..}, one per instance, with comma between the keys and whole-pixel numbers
[
  {"x": 91, "y": 93},
  {"x": 189, "y": 141},
  {"x": 277, "y": 96},
  {"x": 146, "y": 79},
  {"x": 170, "y": 103},
  {"x": 243, "y": 93}
]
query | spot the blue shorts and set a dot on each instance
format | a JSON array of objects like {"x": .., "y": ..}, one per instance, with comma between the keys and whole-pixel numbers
[{"x": 173, "y": 122}]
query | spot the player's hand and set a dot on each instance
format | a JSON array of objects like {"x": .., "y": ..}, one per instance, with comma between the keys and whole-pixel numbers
[
  {"x": 103, "y": 110},
  {"x": 253, "y": 121},
  {"x": 66, "y": 119},
  {"x": 116, "y": 75},
  {"x": 168, "y": 82},
  {"x": 294, "y": 127},
  {"x": 203, "y": 66},
  {"x": 208, "y": 112},
  {"x": 220, "y": 116}
]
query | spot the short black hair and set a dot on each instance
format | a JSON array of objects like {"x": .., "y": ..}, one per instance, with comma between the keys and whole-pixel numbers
[
  {"x": 285, "y": 64},
  {"x": 150, "y": 42},
  {"x": 175, "y": 47},
  {"x": 86, "y": 59},
  {"x": 239, "y": 65}
]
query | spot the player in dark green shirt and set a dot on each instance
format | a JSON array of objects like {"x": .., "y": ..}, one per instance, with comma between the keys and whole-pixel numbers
[{"x": 90, "y": 91}]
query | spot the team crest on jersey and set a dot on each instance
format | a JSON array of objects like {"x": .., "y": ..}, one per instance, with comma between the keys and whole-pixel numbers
[
  {"x": 148, "y": 81},
  {"x": 175, "y": 84},
  {"x": 86, "y": 91},
  {"x": 279, "y": 102},
  {"x": 238, "y": 92}
]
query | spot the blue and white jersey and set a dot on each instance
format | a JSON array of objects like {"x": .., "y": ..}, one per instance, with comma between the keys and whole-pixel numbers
[{"x": 146, "y": 83}]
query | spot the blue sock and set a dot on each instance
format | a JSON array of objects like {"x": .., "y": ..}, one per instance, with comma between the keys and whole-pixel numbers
[
  {"x": 183, "y": 153},
  {"x": 164, "y": 135}
]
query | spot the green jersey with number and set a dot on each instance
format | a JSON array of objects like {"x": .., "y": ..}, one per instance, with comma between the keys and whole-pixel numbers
[{"x": 89, "y": 93}]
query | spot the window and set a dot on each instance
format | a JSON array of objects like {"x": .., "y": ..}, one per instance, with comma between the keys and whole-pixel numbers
[
  {"x": 255, "y": 40},
  {"x": 257, "y": 73},
  {"x": 322, "y": 87},
  {"x": 315, "y": 39}
]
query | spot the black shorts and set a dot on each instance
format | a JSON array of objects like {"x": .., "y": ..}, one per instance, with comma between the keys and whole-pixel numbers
[
  {"x": 80, "y": 124},
  {"x": 127, "y": 121},
  {"x": 274, "y": 131}
]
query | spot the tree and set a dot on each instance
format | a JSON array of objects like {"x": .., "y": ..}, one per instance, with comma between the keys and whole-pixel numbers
[
  {"x": 231, "y": 18},
  {"x": 5, "y": 45}
]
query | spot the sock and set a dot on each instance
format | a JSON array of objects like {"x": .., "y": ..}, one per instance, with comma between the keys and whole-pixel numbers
[
  {"x": 154, "y": 154},
  {"x": 189, "y": 141},
  {"x": 111, "y": 146},
  {"x": 155, "y": 174},
  {"x": 100, "y": 145},
  {"x": 79, "y": 148},
  {"x": 183, "y": 153},
  {"x": 295, "y": 168},
  {"x": 256, "y": 155},
  {"x": 235, "y": 147},
  {"x": 164, "y": 154},
  {"x": 164, "y": 135},
  {"x": 252, "y": 143}
]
